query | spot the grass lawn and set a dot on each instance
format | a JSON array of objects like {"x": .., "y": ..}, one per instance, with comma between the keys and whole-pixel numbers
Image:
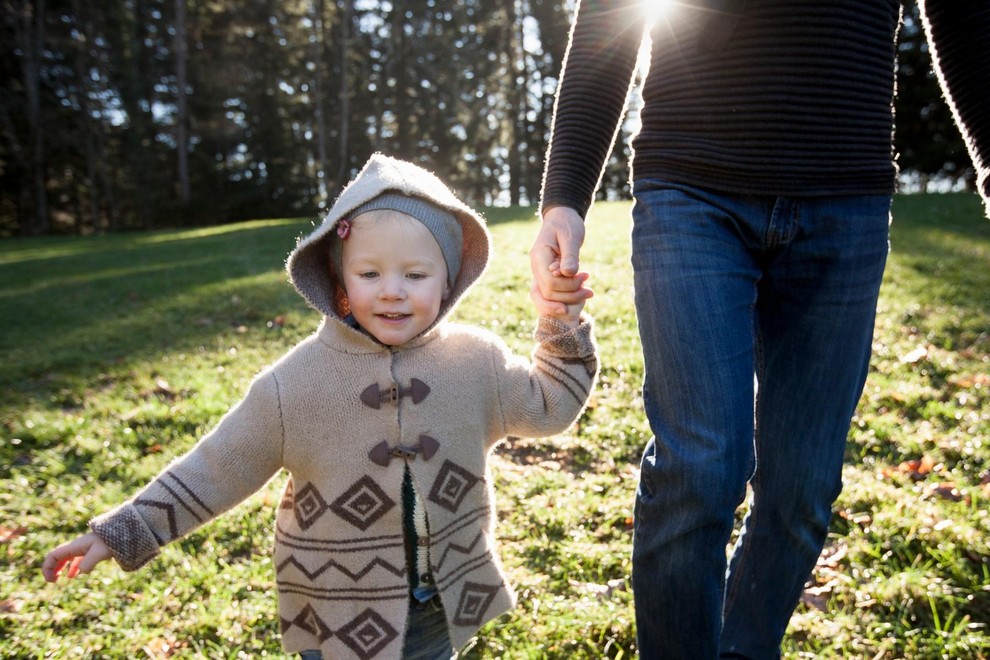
[{"x": 118, "y": 352}]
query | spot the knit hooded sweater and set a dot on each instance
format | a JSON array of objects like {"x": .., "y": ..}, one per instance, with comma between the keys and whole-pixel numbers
[{"x": 346, "y": 416}]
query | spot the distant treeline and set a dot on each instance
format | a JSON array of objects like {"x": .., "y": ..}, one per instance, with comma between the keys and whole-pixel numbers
[{"x": 125, "y": 114}]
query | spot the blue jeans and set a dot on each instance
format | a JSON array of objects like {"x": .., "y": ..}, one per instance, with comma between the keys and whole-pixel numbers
[
  {"x": 427, "y": 637},
  {"x": 756, "y": 317}
]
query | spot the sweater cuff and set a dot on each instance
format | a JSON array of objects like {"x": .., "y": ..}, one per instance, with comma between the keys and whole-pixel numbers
[
  {"x": 560, "y": 340},
  {"x": 581, "y": 206},
  {"x": 127, "y": 535}
]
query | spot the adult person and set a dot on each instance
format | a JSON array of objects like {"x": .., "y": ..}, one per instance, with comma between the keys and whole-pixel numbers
[{"x": 762, "y": 179}]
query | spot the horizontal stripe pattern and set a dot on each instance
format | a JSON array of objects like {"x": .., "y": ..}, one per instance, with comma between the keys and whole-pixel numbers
[{"x": 797, "y": 100}]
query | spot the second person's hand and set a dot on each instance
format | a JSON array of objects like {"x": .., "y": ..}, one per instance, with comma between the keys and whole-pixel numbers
[{"x": 554, "y": 260}]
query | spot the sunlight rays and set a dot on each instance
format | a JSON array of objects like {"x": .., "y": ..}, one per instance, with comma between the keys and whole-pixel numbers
[{"x": 654, "y": 10}]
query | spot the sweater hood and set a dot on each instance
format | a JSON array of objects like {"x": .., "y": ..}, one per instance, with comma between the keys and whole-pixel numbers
[{"x": 308, "y": 264}]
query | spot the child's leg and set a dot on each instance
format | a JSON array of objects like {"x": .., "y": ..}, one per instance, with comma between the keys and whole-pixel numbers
[{"x": 426, "y": 633}]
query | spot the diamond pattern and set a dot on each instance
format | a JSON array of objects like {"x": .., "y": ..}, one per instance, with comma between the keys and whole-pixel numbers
[
  {"x": 310, "y": 505},
  {"x": 367, "y": 634},
  {"x": 308, "y": 621},
  {"x": 473, "y": 603},
  {"x": 363, "y": 503},
  {"x": 451, "y": 486}
]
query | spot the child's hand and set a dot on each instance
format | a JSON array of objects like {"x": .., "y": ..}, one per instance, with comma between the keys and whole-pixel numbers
[
  {"x": 81, "y": 555},
  {"x": 573, "y": 315}
]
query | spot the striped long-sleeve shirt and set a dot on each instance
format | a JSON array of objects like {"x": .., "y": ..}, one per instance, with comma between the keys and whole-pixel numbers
[{"x": 779, "y": 97}]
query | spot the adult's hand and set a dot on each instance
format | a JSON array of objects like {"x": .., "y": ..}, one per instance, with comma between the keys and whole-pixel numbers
[{"x": 554, "y": 259}]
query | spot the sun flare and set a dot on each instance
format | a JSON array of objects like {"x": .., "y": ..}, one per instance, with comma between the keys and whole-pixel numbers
[{"x": 656, "y": 9}]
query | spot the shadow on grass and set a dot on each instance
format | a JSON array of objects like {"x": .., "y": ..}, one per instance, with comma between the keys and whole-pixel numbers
[
  {"x": 934, "y": 298},
  {"x": 946, "y": 240},
  {"x": 74, "y": 306}
]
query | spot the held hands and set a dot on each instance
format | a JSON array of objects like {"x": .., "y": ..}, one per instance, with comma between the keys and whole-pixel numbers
[
  {"x": 81, "y": 555},
  {"x": 558, "y": 287}
]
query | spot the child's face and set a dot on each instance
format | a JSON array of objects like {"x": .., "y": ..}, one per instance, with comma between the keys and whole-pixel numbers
[{"x": 395, "y": 276}]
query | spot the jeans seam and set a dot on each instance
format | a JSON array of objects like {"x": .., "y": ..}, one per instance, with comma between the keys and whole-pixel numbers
[{"x": 733, "y": 584}]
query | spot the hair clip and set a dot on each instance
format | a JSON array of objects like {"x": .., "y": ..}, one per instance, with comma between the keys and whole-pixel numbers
[{"x": 343, "y": 228}]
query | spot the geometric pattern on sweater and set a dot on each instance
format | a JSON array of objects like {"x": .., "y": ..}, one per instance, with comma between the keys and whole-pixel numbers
[
  {"x": 291, "y": 561},
  {"x": 366, "y": 634},
  {"x": 362, "y": 504},
  {"x": 575, "y": 387},
  {"x": 454, "y": 547},
  {"x": 169, "y": 512},
  {"x": 398, "y": 591},
  {"x": 287, "y": 496},
  {"x": 451, "y": 486},
  {"x": 474, "y": 601},
  {"x": 187, "y": 499},
  {"x": 309, "y": 506}
]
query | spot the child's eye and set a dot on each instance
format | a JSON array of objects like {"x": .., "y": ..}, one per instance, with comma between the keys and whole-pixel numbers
[
  {"x": 415, "y": 276},
  {"x": 368, "y": 275}
]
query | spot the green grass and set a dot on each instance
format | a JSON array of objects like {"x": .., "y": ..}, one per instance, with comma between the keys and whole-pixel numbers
[{"x": 118, "y": 352}]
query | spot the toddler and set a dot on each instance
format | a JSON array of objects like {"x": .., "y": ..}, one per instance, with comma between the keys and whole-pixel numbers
[{"x": 383, "y": 419}]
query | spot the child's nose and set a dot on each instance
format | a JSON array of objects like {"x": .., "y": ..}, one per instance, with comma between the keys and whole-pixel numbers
[{"x": 393, "y": 287}]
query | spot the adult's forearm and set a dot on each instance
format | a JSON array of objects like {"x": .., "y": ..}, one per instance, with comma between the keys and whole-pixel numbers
[
  {"x": 591, "y": 96},
  {"x": 957, "y": 33}
]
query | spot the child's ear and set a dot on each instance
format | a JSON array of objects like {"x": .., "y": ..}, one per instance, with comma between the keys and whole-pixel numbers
[{"x": 446, "y": 292}]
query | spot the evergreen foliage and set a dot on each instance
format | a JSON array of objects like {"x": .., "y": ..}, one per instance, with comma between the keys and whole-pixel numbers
[{"x": 141, "y": 114}]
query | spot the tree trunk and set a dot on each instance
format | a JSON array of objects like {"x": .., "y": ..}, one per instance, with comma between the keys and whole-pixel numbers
[
  {"x": 112, "y": 213},
  {"x": 516, "y": 94},
  {"x": 182, "y": 102},
  {"x": 319, "y": 85},
  {"x": 397, "y": 68},
  {"x": 132, "y": 97},
  {"x": 344, "y": 94},
  {"x": 90, "y": 210},
  {"x": 32, "y": 35}
]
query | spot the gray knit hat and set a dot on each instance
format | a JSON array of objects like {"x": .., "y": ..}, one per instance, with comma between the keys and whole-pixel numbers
[
  {"x": 441, "y": 223},
  {"x": 317, "y": 280}
]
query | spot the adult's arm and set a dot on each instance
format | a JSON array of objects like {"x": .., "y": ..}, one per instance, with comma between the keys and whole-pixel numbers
[
  {"x": 957, "y": 34},
  {"x": 591, "y": 97}
]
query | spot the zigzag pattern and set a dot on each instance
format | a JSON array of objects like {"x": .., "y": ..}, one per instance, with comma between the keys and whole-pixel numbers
[
  {"x": 189, "y": 501},
  {"x": 173, "y": 530},
  {"x": 355, "y": 577},
  {"x": 455, "y": 547}
]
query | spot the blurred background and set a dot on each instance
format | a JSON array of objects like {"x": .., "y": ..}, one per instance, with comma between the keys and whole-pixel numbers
[{"x": 144, "y": 114}]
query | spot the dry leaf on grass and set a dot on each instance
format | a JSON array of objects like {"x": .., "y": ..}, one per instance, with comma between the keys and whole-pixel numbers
[
  {"x": 945, "y": 490},
  {"x": 917, "y": 469},
  {"x": 163, "y": 648},
  {"x": 11, "y": 533}
]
